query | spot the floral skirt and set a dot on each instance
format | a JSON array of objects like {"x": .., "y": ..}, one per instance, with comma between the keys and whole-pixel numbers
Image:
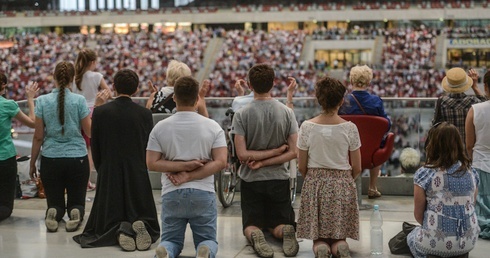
[{"x": 328, "y": 205}]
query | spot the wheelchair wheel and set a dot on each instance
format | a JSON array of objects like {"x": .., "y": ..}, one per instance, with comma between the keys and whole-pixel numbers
[
  {"x": 227, "y": 180},
  {"x": 293, "y": 179},
  {"x": 293, "y": 183}
]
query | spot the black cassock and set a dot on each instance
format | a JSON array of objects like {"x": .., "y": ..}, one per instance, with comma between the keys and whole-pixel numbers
[{"x": 120, "y": 131}]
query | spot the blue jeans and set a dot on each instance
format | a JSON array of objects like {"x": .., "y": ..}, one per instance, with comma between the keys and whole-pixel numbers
[{"x": 196, "y": 207}]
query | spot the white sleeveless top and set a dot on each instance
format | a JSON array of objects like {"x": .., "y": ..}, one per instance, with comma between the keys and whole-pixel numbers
[
  {"x": 90, "y": 87},
  {"x": 481, "y": 150}
]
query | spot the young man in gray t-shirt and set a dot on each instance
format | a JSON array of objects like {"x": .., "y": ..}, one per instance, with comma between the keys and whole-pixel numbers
[{"x": 265, "y": 140}]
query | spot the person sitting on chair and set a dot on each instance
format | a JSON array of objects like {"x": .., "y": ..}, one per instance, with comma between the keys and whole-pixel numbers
[{"x": 360, "y": 102}]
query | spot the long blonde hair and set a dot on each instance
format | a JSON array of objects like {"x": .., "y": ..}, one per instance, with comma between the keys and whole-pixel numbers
[{"x": 84, "y": 58}]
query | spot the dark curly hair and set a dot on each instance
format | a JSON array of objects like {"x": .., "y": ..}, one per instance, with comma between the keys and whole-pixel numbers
[{"x": 329, "y": 92}]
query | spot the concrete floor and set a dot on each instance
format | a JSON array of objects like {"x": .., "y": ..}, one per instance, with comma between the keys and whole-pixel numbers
[{"x": 24, "y": 234}]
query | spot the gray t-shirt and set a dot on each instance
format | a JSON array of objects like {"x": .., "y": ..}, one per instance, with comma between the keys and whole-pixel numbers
[{"x": 265, "y": 124}]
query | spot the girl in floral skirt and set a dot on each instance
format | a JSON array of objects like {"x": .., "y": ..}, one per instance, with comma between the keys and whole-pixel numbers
[{"x": 329, "y": 213}]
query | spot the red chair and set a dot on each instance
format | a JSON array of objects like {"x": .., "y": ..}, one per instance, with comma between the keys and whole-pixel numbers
[{"x": 371, "y": 131}]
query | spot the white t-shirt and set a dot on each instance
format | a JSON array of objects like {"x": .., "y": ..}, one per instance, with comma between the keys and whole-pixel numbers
[
  {"x": 186, "y": 136},
  {"x": 90, "y": 87},
  {"x": 328, "y": 146},
  {"x": 481, "y": 150},
  {"x": 241, "y": 101}
]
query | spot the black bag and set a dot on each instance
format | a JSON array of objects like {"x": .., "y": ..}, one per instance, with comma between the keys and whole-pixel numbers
[{"x": 398, "y": 244}]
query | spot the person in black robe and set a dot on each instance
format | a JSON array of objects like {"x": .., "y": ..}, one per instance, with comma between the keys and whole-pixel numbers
[{"x": 124, "y": 210}]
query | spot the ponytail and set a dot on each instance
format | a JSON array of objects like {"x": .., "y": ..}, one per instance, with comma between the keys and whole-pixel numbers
[{"x": 85, "y": 56}]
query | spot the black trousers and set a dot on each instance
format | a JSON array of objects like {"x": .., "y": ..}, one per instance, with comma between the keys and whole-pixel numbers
[
  {"x": 65, "y": 174},
  {"x": 8, "y": 175}
]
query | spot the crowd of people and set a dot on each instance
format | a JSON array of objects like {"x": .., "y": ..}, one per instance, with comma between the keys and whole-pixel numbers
[
  {"x": 187, "y": 175},
  {"x": 33, "y": 56},
  {"x": 408, "y": 57}
]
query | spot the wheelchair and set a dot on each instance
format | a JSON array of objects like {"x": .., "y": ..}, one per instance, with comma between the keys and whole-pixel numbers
[{"x": 228, "y": 179}]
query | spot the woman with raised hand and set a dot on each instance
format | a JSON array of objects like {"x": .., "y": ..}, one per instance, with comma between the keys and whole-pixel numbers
[
  {"x": 88, "y": 83},
  {"x": 478, "y": 148},
  {"x": 60, "y": 116},
  {"x": 161, "y": 101},
  {"x": 8, "y": 165}
]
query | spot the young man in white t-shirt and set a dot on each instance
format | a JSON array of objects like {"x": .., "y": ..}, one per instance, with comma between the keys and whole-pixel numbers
[{"x": 188, "y": 149}]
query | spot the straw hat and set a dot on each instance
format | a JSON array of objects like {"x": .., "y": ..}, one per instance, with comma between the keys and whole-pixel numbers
[{"x": 456, "y": 81}]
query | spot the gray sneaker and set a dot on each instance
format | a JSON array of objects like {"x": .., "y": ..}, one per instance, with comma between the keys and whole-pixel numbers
[
  {"x": 161, "y": 252},
  {"x": 261, "y": 247},
  {"x": 74, "y": 222},
  {"x": 126, "y": 242},
  {"x": 203, "y": 252},
  {"x": 50, "y": 221},
  {"x": 143, "y": 239},
  {"x": 322, "y": 251},
  {"x": 290, "y": 245},
  {"x": 343, "y": 251}
]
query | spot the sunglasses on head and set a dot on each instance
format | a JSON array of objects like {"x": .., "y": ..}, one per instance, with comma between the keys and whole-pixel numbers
[{"x": 436, "y": 125}]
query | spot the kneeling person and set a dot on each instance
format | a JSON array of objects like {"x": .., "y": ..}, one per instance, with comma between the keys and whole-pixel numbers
[{"x": 188, "y": 149}]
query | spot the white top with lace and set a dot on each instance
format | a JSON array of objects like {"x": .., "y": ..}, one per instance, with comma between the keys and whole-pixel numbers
[{"x": 328, "y": 146}]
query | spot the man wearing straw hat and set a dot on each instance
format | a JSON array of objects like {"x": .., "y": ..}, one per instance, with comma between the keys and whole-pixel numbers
[{"x": 454, "y": 106}]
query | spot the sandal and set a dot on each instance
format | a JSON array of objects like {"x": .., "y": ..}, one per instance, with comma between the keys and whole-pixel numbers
[{"x": 373, "y": 193}]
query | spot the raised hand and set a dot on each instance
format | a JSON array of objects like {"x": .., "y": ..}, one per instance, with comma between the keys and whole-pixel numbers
[
  {"x": 32, "y": 89},
  {"x": 152, "y": 87},
  {"x": 206, "y": 84},
  {"x": 292, "y": 85},
  {"x": 473, "y": 75},
  {"x": 102, "y": 97},
  {"x": 240, "y": 84}
]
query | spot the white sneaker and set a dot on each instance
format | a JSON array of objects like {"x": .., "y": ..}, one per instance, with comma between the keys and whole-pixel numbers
[{"x": 50, "y": 221}]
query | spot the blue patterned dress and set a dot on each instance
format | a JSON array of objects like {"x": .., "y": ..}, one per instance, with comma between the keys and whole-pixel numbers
[{"x": 450, "y": 226}]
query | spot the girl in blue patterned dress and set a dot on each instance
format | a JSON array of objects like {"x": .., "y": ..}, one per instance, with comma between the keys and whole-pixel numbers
[{"x": 444, "y": 198}]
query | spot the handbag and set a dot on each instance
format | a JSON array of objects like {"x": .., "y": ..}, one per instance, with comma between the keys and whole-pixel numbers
[
  {"x": 398, "y": 244},
  {"x": 40, "y": 188}
]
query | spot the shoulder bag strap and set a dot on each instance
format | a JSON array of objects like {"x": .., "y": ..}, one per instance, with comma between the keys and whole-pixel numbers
[
  {"x": 359, "y": 104},
  {"x": 161, "y": 104}
]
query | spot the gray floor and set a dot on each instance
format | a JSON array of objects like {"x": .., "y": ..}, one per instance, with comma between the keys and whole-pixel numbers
[{"x": 24, "y": 234}]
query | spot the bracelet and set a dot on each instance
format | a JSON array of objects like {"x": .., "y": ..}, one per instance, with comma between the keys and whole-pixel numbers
[{"x": 289, "y": 102}]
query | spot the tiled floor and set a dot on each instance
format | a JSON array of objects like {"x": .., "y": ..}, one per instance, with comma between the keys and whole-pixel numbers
[{"x": 24, "y": 234}]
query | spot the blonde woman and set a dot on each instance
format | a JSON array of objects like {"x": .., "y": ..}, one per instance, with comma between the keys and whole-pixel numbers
[
  {"x": 161, "y": 101},
  {"x": 361, "y": 102}
]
